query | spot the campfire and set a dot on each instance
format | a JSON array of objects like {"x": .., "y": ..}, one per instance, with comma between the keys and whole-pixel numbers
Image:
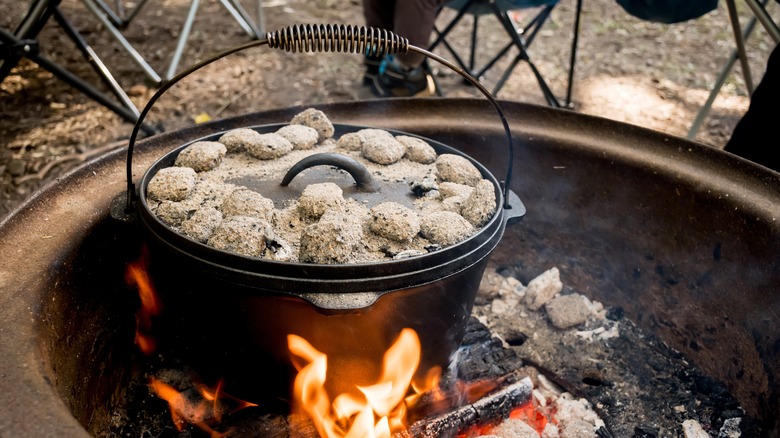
[{"x": 404, "y": 400}]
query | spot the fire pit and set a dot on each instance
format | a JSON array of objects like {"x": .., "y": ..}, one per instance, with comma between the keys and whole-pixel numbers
[{"x": 682, "y": 237}]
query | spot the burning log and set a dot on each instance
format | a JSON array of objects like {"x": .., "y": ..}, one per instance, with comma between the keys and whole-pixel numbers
[{"x": 493, "y": 406}]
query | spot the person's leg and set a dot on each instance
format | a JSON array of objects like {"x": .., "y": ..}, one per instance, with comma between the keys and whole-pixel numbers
[
  {"x": 414, "y": 20},
  {"x": 404, "y": 75},
  {"x": 756, "y": 135},
  {"x": 378, "y": 14}
]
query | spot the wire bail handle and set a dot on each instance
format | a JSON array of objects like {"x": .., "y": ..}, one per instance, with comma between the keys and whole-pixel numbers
[{"x": 322, "y": 38}]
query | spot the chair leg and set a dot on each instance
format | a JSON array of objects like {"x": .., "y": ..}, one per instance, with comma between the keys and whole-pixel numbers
[
  {"x": 441, "y": 35},
  {"x": 521, "y": 45},
  {"x": 95, "y": 62},
  {"x": 705, "y": 109},
  {"x": 101, "y": 16},
  {"x": 740, "y": 42},
  {"x": 182, "y": 43},
  {"x": 473, "y": 51},
  {"x": 573, "y": 59},
  {"x": 759, "y": 10}
]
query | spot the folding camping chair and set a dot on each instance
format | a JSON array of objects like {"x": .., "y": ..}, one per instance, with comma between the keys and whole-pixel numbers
[
  {"x": 520, "y": 37},
  {"x": 23, "y": 43},
  {"x": 117, "y": 19}
]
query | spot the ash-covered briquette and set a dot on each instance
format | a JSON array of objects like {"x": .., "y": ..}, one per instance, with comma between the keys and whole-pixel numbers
[
  {"x": 350, "y": 141},
  {"x": 448, "y": 189},
  {"x": 172, "y": 184},
  {"x": 172, "y": 213},
  {"x": 380, "y": 146},
  {"x": 316, "y": 119},
  {"x": 237, "y": 140},
  {"x": 445, "y": 227},
  {"x": 245, "y": 202},
  {"x": 269, "y": 146},
  {"x": 480, "y": 205},
  {"x": 242, "y": 235},
  {"x": 318, "y": 198},
  {"x": 201, "y": 155},
  {"x": 300, "y": 136},
  {"x": 417, "y": 149},
  {"x": 332, "y": 240},
  {"x": 202, "y": 224},
  {"x": 543, "y": 288},
  {"x": 394, "y": 221},
  {"x": 454, "y": 168}
]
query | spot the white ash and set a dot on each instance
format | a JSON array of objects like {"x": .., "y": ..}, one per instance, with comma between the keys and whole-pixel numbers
[
  {"x": 417, "y": 149},
  {"x": 692, "y": 429},
  {"x": 730, "y": 428},
  {"x": 316, "y": 119},
  {"x": 202, "y": 224},
  {"x": 350, "y": 141},
  {"x": 543, "y": 288},
  {"x": 333, "y": 239},
  {"x": 172, "y": 213},
  {"x": 300, "y": 136},
  {"x": 317, "y": 198},
  {"x": 513, "y": 428},
  {"x": 576, "y": 414},
  {"x": 269, "y": 146},
  {"x": 171, "y": 184},
  {"x": 568, "y": 310},
  {"x": 407, "y": 254},
  {"x": 454, "y": 168},
  {"x": 237, "y": 140},
  {"x": 201, "y": 155},
  {"x": 242, "y": 235},
  {"x": 445, "y": 227},
  {"x": 480, "y": 206},
  {"x": 551, "y": 431},
  {"x": 575, "y": 417},
  {"x": 394, "y": 221},
  {"x": 577, "y": 429},
  {"x": 245, "y": 202},
  {"x": 382, "y": 149}
]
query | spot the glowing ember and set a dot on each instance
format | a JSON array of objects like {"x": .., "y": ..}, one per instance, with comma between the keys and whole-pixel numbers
[
  {"x": 378, "y": 410},
  {"x": 529, "y": 413},
  {"x": 206, "y": 409},
  {"x": 151, "y": 305}
]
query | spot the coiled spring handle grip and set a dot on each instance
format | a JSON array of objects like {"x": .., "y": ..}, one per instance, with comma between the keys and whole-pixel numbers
[{"x": 323, "y": 38}]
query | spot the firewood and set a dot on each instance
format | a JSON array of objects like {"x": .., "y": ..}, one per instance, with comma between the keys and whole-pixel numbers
[{"x": 493, "y": 406}]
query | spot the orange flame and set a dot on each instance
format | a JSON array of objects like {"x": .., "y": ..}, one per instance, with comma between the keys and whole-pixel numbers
[
  {"x": 378, "y": 410},
  {"x": 151, "y": 305},
  {"x": 198, "y": 413}
]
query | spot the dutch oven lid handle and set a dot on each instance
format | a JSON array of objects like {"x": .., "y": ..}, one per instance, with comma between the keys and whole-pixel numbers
[{"x": 327, "y": 38}]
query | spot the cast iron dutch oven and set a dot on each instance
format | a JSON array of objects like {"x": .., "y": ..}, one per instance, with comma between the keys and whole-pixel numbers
[{"x": 228, "y": 315}]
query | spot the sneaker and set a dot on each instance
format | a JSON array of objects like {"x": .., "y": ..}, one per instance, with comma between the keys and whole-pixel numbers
[
  {"x": 394, "y": 80},
  {"x": 372, "y": 64}
]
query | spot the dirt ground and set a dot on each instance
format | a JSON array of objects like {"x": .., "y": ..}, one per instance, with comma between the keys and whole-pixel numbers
[{"x": 652, "y": 75}]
